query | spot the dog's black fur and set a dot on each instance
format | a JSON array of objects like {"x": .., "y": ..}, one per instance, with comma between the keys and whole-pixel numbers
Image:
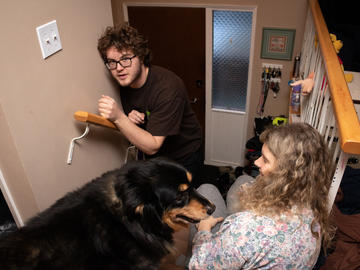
[{"x": 121, "y": 220}]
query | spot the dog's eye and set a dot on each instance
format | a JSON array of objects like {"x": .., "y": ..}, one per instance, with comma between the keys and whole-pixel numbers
[{"x": 181, "y": 199}]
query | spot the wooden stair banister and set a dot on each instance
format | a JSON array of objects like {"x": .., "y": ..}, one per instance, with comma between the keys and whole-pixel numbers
[
  {"x": 346, "y": 117},
  {"x": 92, "y": 118},
  {"x": 88, "y": 118}
]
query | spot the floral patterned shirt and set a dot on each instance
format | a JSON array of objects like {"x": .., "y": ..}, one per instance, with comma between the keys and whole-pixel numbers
[{"x": 248, "y": 241}]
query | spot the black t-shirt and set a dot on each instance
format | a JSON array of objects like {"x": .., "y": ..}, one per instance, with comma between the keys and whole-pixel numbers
[{"x": 163, "y": 98}]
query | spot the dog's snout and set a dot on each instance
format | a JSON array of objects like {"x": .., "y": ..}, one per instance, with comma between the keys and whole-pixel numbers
[{"x": 210, "y": 209}]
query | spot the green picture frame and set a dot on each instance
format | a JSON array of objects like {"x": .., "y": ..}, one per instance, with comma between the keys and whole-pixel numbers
[{"x": 277, "y": 43}]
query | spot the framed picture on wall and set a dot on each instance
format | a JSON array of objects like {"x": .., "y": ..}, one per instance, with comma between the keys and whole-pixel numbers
[{"x": 277, "y": 43}]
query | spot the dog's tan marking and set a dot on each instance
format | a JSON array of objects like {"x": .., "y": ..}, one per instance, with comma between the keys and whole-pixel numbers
[
  {"x": 139, "y": 209},
  {"x": 111, "y": 198},
  {"x": 34, "y": 253},
  {"x": 110, "y": 191},
  {"x": 189, "y": 176},
  {"x": 168, "y": 218},
  {"x": 194, "y": 210},
  {"x": 183, "y": 187}
]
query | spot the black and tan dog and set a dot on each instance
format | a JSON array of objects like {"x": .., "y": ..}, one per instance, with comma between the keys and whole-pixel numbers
[{"x": 121, "y": 220}]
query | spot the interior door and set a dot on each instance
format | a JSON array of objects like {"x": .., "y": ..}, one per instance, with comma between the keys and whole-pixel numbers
[
  {"x": 177, "y": 40},
  {"x": 229, "y": 54}
]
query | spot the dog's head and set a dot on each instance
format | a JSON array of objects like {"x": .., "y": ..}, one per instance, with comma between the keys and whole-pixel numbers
[{"x": 160, "y": 191}]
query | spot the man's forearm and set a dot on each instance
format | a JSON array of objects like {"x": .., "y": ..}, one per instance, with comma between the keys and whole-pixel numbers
[{"x": 139, "y": 137}]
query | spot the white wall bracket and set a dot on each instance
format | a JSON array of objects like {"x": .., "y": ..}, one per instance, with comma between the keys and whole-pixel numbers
[{"x": 72, "y": 144}]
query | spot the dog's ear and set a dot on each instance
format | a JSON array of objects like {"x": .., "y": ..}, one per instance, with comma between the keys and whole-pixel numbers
[
  {"x": 150, "y": 214},
  {"x": 150, "y": 210}
]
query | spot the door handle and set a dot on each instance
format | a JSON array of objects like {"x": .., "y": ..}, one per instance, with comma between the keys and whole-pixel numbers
[
  {"x": 194, "y": 101},
  {"x": 199, "y": 83}
]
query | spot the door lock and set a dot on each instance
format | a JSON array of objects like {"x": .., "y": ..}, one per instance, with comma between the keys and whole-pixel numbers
[{"x": 194, "y": 101}]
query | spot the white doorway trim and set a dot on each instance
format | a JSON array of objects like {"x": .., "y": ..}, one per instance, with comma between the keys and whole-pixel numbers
[
  {"x": 10, "y": 201},
  {"x": 214, "y": 116},
  {"x": 223, "y": 147}
]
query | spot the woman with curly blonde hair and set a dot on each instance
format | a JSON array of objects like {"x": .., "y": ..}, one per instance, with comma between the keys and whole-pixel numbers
[{"x": 280, "y": 220}]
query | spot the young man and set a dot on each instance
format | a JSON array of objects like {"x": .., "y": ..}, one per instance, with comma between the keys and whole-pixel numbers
[{"x": 156, "y": 117}]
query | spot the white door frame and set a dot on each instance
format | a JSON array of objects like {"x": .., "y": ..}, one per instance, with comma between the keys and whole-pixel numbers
[
  {"x": 222, "y": 147},
  {"x": 10, "y": 201},
  {"x": 214, "y": 116}
]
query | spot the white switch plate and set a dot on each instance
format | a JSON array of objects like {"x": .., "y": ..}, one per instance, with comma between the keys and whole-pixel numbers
[{"x": 49, "y": 38}]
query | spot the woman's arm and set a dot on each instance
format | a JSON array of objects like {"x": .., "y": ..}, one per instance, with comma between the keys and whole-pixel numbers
[{"x": 219, "y": 250}]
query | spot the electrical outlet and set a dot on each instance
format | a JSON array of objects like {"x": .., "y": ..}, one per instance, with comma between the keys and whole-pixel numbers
[{"x": 49, "y": 38}]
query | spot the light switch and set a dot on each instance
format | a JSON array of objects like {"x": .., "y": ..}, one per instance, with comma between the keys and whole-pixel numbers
[{"x": 49, "y": 38}]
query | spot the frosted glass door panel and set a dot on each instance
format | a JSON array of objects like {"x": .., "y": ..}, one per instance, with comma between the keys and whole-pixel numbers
[{"x": 230, "y": 59}]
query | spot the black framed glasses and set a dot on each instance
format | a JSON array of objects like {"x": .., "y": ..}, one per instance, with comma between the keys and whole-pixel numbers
[{"x": 124, "y": 62}]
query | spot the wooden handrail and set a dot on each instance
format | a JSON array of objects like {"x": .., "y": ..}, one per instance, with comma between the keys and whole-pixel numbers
[
  {"x": 346, "y": 117},
  {"x": 93, "y": 119}
]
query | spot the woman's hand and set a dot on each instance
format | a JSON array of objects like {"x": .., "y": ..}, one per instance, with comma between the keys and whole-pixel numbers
[{"x": 208, "y": 223}]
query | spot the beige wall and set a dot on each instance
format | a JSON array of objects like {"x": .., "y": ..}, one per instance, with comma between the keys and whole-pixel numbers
[
  {"x": 38, "y": 98},
  {"x": 275, "y": 13}
]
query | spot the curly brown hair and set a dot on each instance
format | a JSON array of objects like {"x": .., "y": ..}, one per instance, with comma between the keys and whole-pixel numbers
[
  {"x": 124, "y": 37},
  {"x": 301, "y": 178}
]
